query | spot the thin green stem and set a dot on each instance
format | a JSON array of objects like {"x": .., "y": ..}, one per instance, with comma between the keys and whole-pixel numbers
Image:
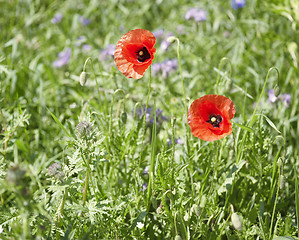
[
  {"x": 111, "y": 108},
  {"x": 86, "y": 181},
  {"x": 95, "y": 78},
  {"x": 144, "y": 116},
  {"x": 275, "y": 203},
  {"x": 61, "y": 207},
  {"x": 152, "y": 164}
]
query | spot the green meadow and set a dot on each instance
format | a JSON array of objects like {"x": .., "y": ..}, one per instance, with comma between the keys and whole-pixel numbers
[{"x": 88, "y": 153}]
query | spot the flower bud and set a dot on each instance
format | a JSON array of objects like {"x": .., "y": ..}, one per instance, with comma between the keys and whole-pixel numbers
[
  {"x": 276, "y": 90},
  {"x": 124, "y": 117},
  {"x": 196, "y": 209},
  {"x": 178, "y": 237},
  {"x": 236, "y": 221},
  {"x": 83, "y": 128},
  {"x": 171, "y": 39},
  {"x": 83, "y": 78}
]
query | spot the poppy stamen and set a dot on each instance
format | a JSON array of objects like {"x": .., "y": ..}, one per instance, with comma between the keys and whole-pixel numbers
[
  {"x": 143, "y": 55},
  {"x": 215, "y": 120}
]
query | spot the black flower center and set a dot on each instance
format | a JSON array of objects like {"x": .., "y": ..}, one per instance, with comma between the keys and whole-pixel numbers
[
  {"x": 215, "y": 120},
  {"x": 143, "y": 55}
]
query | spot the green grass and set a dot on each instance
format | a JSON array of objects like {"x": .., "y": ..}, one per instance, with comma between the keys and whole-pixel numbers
[{"x": 94, "y": 190}]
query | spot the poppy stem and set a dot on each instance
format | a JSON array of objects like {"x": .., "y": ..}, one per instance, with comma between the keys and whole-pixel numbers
[
  {"x": 111, "y": 108},
  {"x": 95, "y": 77},
  {"x": 171, "y": 39}
]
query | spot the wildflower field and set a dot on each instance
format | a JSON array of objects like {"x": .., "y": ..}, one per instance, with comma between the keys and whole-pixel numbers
[{"x": 159, "y": 119}]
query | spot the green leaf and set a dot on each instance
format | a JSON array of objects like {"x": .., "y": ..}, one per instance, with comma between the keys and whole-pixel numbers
[
  {"x": 59, "y": 123},
  {"x": 270, "y": 122},
  {"x": 283, "y": 238},
  {"x": 21, "y": 145},
  {"x": 244, "y": 127}
]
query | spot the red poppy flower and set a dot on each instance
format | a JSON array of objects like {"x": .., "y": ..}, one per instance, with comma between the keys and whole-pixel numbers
[
  {"x": 209, "y": 117},
  {"x": 134, "y": 52}
]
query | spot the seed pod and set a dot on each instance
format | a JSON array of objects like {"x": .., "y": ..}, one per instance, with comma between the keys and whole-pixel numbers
[
  {"x": 83, "y": 78},
  {"x": 236, "y": 221}
]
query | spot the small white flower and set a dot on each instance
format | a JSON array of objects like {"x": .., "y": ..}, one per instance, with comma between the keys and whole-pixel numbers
[{"x": 140, "y": 225}]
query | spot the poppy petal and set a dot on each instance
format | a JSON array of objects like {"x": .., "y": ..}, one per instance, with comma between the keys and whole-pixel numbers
[
  {"x": 201, "y": 111},
  {"x": 127, "y": 49}
]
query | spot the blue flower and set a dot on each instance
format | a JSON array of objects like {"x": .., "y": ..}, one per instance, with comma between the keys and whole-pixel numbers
[
  {"x": 238, "y": 4},
  {"x": 84, "y": 21},
  {"x": 149, "y": 115},
  {"x": 146, "y": 169},
  {"x": 63, "y": 58},
  {"x": 159, "y": 33},
  {"x": 86, "y": 48},
  {"x": 177, "y": 141},
  {"x": 165, "y": 67},
  {"x": 271, "y": 96},
  {"x": 144, "y": 186},
  {"x": 165, "y": 44},
  {"x": 286, "y": 99},
  {"x": 108, "y": 52},
  {"x": 199, "y": 15},
  {"x": 80, "y": 40},
  {"x": 57, "y": 18}
]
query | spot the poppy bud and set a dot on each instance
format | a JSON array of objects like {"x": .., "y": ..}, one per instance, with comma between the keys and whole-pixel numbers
[
  {"x": 124, "y": 117},
  {"x": 279, "y": 162},
  {"x": 178, "y": 237},
  {"x": 83, "y": 78},
  {"x": 276, "y": 90},
  {"x": 83, "y": 128},
  {"x": 171, "y": 39},
  {"x": 203, "y": 201},
  {"x": 196, "y": 209},
  {"x": 236, "y": 221}
]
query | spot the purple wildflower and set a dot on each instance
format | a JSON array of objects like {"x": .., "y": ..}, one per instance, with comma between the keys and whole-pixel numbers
[
  {"x": 165, "y": 44},
  {"x": 84, "y": 21},
  {"x": 177, "y": 141},
  {"x": 108, "y": 52},
  {"x": 57, "y": 18},
  {"x": 286, "y": 99},
  {"x": 149, "y": 115},
  {"x": 168, "y": 66},
  {"x": 63, "y": 58},
  {"x": 159, "y": 33},
  {"x": 199, "y": 15},
  {"x": 165, "y": 67},
  {"x": 80, "y": 40},
  {"x": 238, "y": 4},
  {"x": 146, "y": 169},
  {"x": 156, "y": 67},
  {"x": 271, "y": 96},
  {"x": 144, "y": 186},
  {"x": 86, "y": 48},
  {"x": 180, "y": 29}
]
